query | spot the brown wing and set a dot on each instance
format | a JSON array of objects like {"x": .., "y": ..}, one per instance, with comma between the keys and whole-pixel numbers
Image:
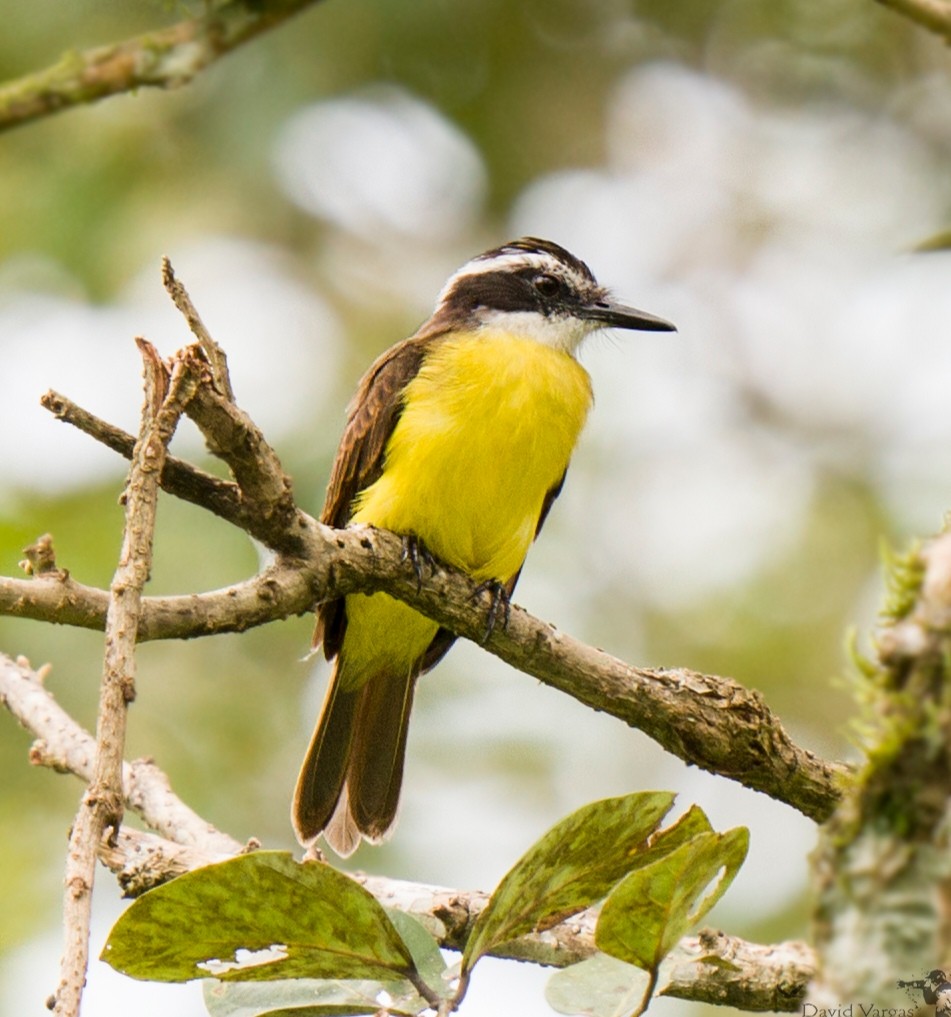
[
  {"x": 371, "y": 417},
  {"x": 546, "y": 506}
]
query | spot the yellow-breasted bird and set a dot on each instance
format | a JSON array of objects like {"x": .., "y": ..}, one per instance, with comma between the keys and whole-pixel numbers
[{"x": 458, "y": 438}]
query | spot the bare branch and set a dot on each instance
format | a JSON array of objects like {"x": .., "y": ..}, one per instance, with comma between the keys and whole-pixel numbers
[
  {"x": 217, "y": 358},
  {"x": 64, "y": 745},
  {"x": 234, "y": 437},
  {"x": 280, "y": 591},
  {"x": 935, "y": 15},
  {"x": 185, "y": 481},
  {"x": 102, "y": 804},
  {"x": 165, "y": 58},
  {"x": 709, "y": 721}
]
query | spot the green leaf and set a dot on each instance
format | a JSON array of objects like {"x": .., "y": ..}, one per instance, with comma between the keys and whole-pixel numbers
[
  {"x": 309, "y": 997},
  {"x": 692, "y": 823},
  {"x": 427, "y": 957},
  {"x": 575, "y": 864},
  {"x": 255, "y": 917},
  {"x": 600, "y": 986},
  {"x": 648, "y": 912}
]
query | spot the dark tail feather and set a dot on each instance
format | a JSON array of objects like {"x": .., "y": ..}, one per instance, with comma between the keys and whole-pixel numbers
[
  {"x": 349, "y": 785},
  {"x": 324, "y": 772},
  {"x": 375, "y": 774}
]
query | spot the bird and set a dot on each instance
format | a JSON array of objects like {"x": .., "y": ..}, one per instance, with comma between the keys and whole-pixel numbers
[{"x": 458, "y": 439}]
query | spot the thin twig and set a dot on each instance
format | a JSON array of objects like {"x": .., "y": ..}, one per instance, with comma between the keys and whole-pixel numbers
[
  {"x": 935, "y": 15},
  {"x": 264, "y": 507},
  {"x": 165, "y": 58},
  {"x": 234, "y": 437},
  {"x": 64, "y": 745},
  {"x": 102, "y": 804},
  {"x": 179, "y": 478},
  {"x": 217, "y": 358}
]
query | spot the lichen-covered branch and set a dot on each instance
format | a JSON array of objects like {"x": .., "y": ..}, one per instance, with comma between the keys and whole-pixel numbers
[
  {"x": 883, "y": 866},
  {"x": 164, "y": 58},
  {"x": 934, "y": 15}
]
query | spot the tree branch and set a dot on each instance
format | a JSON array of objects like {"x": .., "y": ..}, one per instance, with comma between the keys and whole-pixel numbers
[
  {"x": 705, "y": 720},
  {"x": 220, "y": 497},
  {"x": 277, "y": 592},
  {"x": 165, "y": 58},
  {"x": 102, "y": 805},
  {"x": 709, "y": 721},
  {"x": 63, "y": 745},
  {"x": 935, "y": 15}
]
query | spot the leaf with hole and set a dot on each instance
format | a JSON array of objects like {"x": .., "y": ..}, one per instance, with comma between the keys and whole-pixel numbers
[
  {"x": 653, "y": 907},
  {"x": 255, "y": 917}
]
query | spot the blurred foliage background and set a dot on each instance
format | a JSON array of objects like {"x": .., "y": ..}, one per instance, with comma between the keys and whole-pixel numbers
[{"x": 756, "y": 172}]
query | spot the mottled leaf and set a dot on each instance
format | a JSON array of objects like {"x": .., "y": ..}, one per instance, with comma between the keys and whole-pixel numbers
[
  {"x": 258, "y": 916},
  {"x": 649, "y": 911},
  {"x": 575, "y": 864}
]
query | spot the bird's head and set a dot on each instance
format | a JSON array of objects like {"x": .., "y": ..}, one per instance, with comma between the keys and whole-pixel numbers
[{"x": 535, "y": 289}]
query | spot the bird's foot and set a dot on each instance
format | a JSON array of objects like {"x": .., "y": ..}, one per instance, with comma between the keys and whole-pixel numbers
[
  {"x": 416, "y": 552},
  {"x": 500, "y": 605}
]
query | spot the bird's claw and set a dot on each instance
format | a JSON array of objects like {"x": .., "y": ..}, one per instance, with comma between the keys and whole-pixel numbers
[
  {"x": 416, "y": 552},
  {"x": 500, "y": 603}
]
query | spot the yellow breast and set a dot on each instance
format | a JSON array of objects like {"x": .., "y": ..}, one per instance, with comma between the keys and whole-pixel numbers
[{"x": 487, "y": 429}]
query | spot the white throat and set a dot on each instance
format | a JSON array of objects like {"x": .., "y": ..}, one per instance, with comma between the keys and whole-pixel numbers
[{"x": 560, "y": 332}]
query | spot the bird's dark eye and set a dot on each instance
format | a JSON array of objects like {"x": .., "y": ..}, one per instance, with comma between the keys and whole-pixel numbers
[{"x": 547, "y": 285}]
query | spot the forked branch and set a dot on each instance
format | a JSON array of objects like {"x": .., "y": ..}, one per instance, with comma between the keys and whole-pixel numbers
[{"x": 167, "y": 393}]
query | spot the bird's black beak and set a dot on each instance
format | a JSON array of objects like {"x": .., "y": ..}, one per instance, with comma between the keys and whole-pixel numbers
[{"x": 613, "y": 315}]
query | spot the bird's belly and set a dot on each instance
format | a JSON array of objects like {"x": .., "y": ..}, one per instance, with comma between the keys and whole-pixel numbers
[{"x": 487, "y": 429}]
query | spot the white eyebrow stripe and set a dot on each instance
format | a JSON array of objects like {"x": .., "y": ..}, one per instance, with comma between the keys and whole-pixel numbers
[{"x": 513, "y": 262}]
